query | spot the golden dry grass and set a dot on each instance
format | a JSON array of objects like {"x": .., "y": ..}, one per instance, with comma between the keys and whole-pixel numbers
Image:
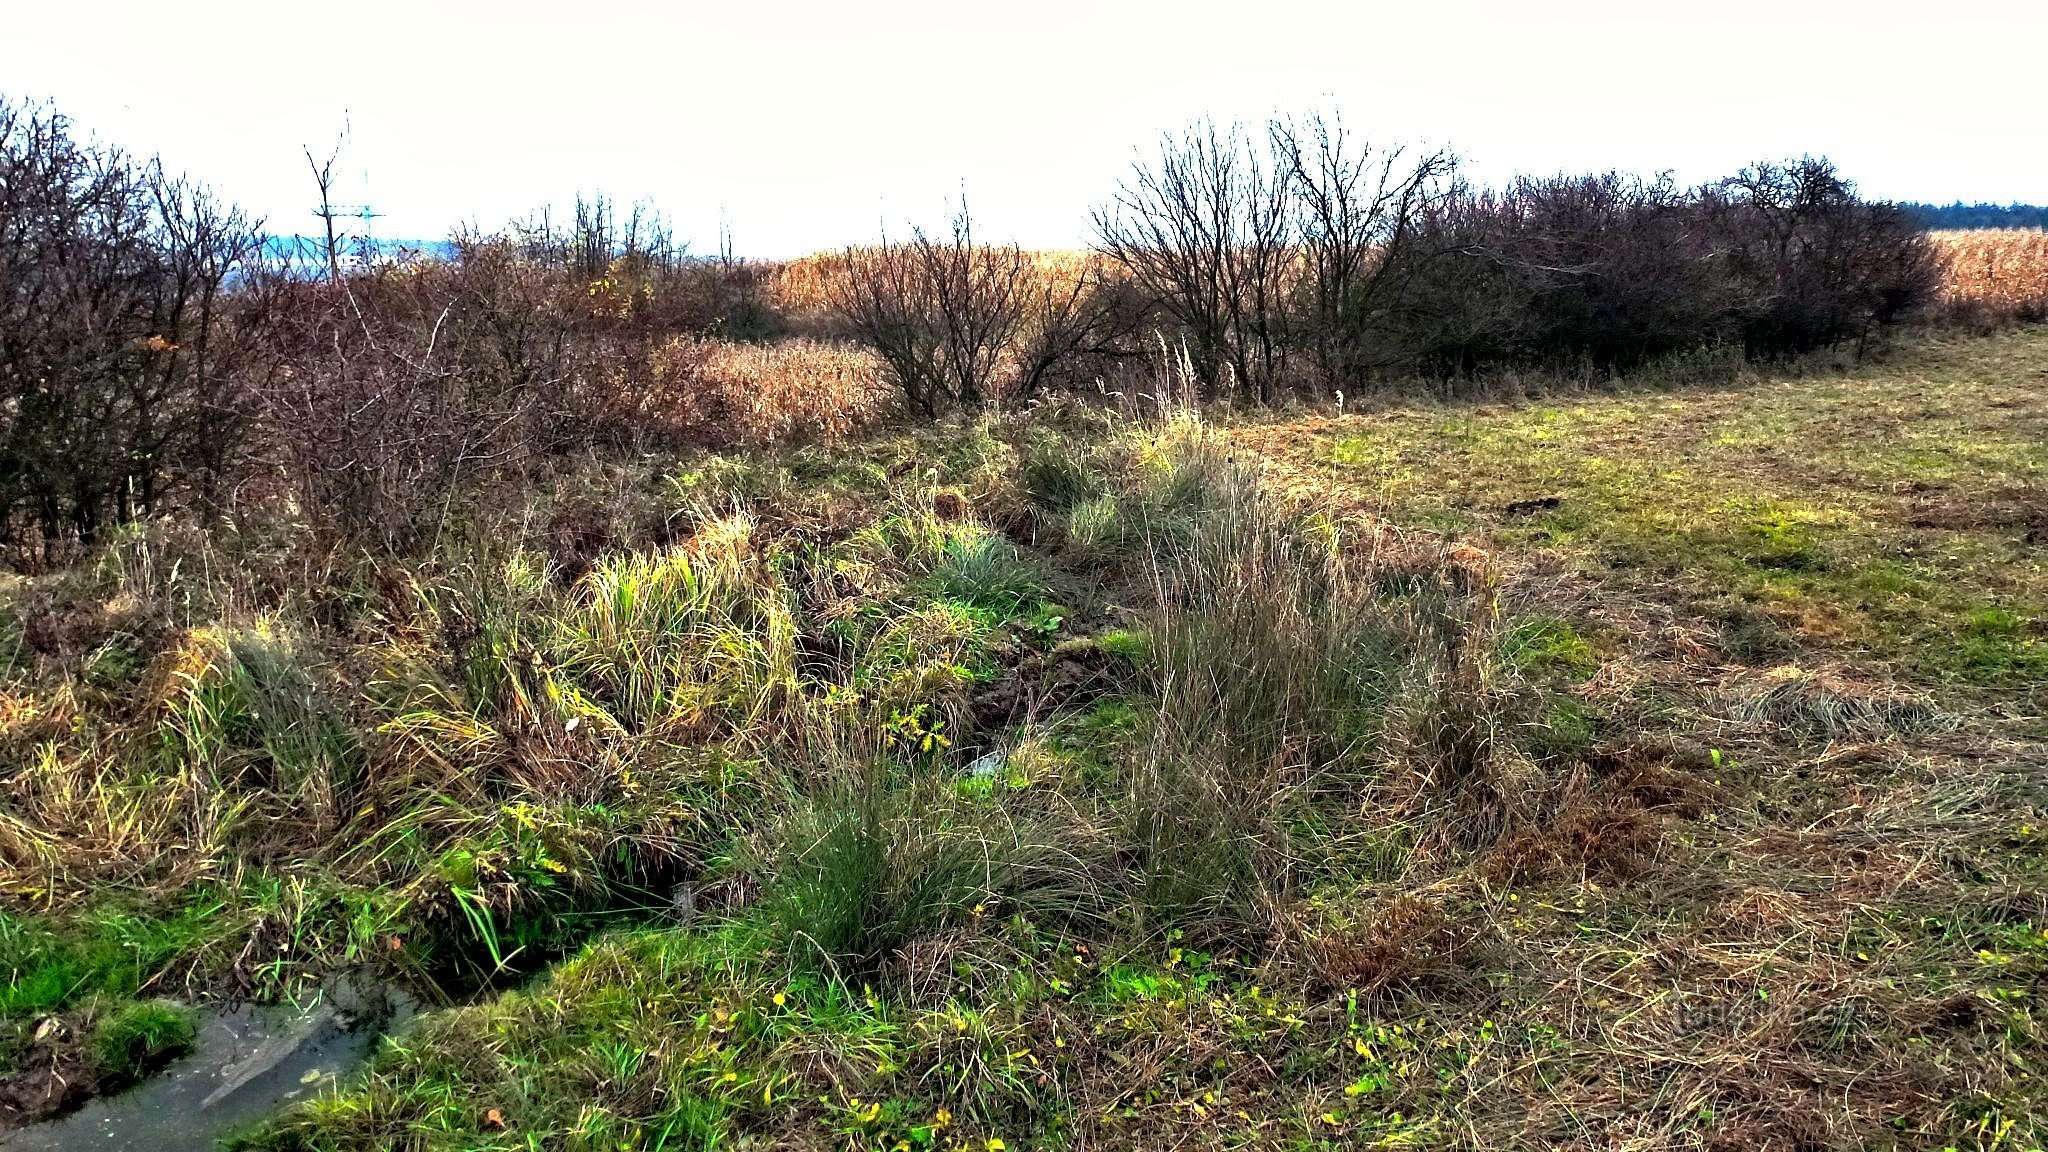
[
  {"x": 765, "y": 393},
  {"x": 804, "y": 285},
  {"x": 1996, "y": 273}
]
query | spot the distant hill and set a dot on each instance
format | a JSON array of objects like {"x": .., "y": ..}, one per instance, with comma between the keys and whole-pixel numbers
[{"x": 1961, "y": 215}]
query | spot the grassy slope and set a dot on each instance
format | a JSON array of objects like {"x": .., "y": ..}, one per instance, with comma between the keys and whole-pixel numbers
[
  {"x": 1892, "y": 514},
  {"x": 1775, "y": 878},
  {"x": 1837, "y": 582}
]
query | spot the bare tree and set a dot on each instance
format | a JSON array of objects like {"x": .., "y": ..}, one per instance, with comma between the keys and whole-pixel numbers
[
  {"x": 1355, "y": 208},
  {"x": 1206, "y": 231}
]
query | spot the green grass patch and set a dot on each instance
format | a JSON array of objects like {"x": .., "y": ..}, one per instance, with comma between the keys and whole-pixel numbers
[
  {"x": 1875, "y": 514},
  {"x": 1548, "y": 645},
  {"x": 52, "y": 964},
  {"x": 136, "y": 1039}
]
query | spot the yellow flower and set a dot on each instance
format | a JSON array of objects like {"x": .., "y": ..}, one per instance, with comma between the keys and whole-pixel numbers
[
  {"x": 780, "y": 999},
  {"x": 942, "y": 1118},
  {"x": 994, "y": 1144}
]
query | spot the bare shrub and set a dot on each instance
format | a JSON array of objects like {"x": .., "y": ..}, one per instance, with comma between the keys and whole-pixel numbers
[
  {"x": 377, "y": 429},
  {"x": 1613, "y": 272},
  {"x": 393, "y": 391},
  {"x": 938, "y": 310},
  {"x": 1355, "y": 210},
  {"x": 114, "y": 357},
  {"x": 734, "y": 297},
  {"x": 960, "y": 323},
  {"x": 1206, "y": 231},
  {"x": 1817, "y": 265}
]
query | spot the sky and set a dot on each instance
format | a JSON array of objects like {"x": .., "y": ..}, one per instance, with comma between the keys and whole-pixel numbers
[{"x": 805, "y": 126}]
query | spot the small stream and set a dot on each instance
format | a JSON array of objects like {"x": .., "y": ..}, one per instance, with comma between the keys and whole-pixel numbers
[{"x": 248, "y": 1062}]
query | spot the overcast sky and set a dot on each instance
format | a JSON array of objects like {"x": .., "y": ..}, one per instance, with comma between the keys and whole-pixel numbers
[{"x": 807, "y": 124}]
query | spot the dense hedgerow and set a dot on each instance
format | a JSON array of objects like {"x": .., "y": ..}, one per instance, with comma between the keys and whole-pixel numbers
[{"x": 1310, "y": 261}]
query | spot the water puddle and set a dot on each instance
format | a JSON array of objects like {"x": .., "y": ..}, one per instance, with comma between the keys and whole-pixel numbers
[{"x": 248, "y": 1062}]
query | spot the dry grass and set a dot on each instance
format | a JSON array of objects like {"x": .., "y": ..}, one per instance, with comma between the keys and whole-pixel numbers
[
  {"x": 755, "y": 394},
  {"x": 1816, "y": 920},
  {"x": 1578, "y": 869},
  {"x": 1996, "y": 274},
  {"x": 804, "y": 286}
]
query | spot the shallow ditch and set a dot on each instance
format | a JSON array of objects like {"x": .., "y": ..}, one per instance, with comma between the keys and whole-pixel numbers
[{"x": 248, "y": 1062}]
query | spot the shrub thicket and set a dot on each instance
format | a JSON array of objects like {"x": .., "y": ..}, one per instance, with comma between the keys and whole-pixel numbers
[
  {"x": 961, "y": 323},
  {"x": 1311, "y": 262},
  {"x": 116, "y": 366}
]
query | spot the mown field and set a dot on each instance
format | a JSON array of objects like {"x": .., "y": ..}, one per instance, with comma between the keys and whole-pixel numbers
[
  {"x": 1628, "y": 767},
  {"x": 1888, "y": 519}
]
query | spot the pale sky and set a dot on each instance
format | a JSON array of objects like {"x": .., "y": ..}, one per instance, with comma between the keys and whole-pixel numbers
[{"x": 808, "y": 124}]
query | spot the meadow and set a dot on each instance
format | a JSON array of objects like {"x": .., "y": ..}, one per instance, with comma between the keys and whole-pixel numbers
[
  {"x": 1551, "y": 666},
  {"x": 1638, "y": 766}
]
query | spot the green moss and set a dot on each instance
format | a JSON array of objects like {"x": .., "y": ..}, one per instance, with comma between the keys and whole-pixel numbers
[
  {"x": 51, "y": 964},
  {"x": 1548, "y": 645},
  {"x": 140, "y": 1037},
  {"x": 1777, "y": 542},
  {"x": 1131, "y": 646}
]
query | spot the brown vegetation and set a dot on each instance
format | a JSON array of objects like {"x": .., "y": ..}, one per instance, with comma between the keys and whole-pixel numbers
[{"x": 1994, "y": 275}]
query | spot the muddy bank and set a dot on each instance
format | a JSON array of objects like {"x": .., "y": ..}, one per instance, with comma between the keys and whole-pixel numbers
[{"x": 248, "y": 1061}]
